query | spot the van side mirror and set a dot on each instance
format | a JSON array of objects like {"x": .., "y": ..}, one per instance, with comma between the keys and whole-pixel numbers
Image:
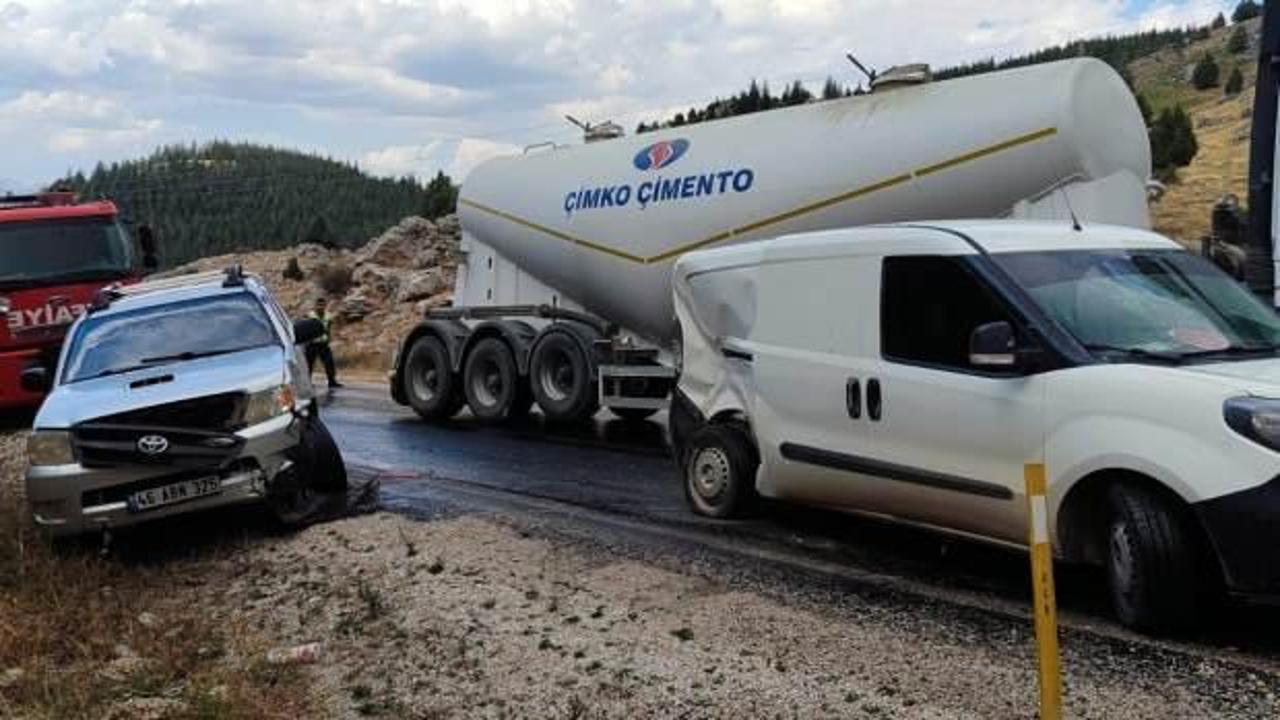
[
  {"x": 35, "y": 379},
  {"x": 993, "y": 346},
  {"x": 307, "y": 330}
]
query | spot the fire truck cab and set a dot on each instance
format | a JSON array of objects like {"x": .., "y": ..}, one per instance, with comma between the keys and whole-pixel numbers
[{"x": 55, "y": 254}]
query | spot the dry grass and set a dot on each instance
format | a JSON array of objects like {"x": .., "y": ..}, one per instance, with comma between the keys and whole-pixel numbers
[{"x": 82, "y": 636}]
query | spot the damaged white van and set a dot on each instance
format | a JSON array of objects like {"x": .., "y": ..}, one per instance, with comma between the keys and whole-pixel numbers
[{"x": 912, "y": 371}]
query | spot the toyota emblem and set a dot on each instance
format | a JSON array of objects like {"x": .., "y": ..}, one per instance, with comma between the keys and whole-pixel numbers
[{"x": 152, "y": 444}]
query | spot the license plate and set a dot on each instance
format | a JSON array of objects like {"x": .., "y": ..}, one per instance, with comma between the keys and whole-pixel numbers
[{"x": 175, "y": 493}]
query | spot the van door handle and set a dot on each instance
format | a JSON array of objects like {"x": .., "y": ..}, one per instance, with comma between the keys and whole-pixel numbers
[
  {"x": 873, "y": 399},
  {"x": 853, "y": 398}
]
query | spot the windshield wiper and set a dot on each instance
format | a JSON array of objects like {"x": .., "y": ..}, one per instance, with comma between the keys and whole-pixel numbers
[
  {"x": 1137, "y": 353},
  {"x": 187, "y": 355},
  {"x": 1234, "y": 350}
]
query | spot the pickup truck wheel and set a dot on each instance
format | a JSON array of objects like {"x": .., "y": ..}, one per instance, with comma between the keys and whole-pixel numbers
[
  {"x": 491, "y": 382},
  {"x": 318, "y": 476},
  {"x": 631, "y": 414},
  {"x": 719, "y": 471},
  {"x": 560, "y": 377},
  {"x": 429, "y": 383},
  {"x": 1151, "y": 561}
]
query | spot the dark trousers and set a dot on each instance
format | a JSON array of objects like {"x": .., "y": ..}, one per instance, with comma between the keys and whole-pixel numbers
[{"x": 322, "y": 351}]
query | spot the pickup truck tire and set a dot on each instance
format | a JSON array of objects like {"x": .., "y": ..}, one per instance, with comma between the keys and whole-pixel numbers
[
  {"x": 491, "y": 381},
  {"x": 318, "y": 478},
  {"x": 719, "y": 471},
  {"x": 1152, "y": 563},
  {"x": 429, "y": 383},
  {"x": 560, "y": 376}
]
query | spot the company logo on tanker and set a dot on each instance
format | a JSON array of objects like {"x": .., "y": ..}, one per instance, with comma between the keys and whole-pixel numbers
[
  {"x": 660, "y": 154},
  {"x": 662, "y": 188}
]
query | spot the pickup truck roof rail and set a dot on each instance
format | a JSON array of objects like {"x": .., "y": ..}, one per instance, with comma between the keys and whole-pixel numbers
[{"x": 233, "y": 276}]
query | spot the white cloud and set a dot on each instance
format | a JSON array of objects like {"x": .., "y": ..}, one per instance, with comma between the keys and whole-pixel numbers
[
  {"x": 455, "y": 157},
  {"x": 369, "y": 78}
]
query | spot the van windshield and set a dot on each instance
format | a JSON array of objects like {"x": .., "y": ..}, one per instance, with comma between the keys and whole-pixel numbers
[
  {"x": 113, "y": 344},
  {"x": 1149, "y": 304}
]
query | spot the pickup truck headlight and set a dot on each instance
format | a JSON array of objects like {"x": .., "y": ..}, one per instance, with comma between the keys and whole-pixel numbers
[
  {"x": 266, "y": 404},
  {"x": 1255, "y": 418},
  {"x": 50, "y": 447}
]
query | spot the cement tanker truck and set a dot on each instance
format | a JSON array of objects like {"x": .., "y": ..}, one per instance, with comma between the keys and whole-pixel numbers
[{"x": 563, "y": 298}]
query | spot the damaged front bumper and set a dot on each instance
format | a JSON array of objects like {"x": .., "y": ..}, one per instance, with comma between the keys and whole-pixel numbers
[{"x": 102, "y": 491}]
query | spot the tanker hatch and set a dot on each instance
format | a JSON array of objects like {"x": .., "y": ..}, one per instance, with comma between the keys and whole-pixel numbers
[{"x": 902, "y": 76}]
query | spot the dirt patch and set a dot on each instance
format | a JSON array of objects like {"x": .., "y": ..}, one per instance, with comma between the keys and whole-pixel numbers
[{"x": 83, "y": 636}]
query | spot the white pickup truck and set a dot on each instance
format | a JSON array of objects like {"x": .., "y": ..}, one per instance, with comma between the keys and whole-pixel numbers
[{"x": 912, "y": 371}]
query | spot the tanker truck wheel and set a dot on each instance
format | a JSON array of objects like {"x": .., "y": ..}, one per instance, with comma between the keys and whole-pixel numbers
[
  {"x": 561, "y": 379},
  {"x": 492, "y": 383},
  {"x": 430, "y": 385}
]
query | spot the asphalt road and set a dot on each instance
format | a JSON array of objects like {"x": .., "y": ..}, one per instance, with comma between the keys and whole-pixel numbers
[{"x": 614, "y": 483}]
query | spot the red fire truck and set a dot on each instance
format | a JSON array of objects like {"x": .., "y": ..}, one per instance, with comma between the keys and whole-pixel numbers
[{"x": 55, "y": 254}]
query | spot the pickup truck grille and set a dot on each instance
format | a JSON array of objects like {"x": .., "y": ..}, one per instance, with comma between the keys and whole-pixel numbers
[
  {"x": 224, "y": 412},
  {"x": 110, "y": 445}
]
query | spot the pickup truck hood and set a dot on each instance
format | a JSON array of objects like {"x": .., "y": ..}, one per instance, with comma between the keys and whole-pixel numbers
[{"x": 248, "y": 370}]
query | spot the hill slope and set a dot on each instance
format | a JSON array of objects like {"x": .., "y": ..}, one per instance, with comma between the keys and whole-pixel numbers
[{"x": 224, "y": 197}]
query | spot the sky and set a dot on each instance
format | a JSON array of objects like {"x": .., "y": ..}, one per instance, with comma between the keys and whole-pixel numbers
[{"x": 415, "y": 86}]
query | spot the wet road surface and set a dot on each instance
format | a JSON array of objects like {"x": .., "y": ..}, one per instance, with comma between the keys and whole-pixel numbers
[{"x": 614, "y": 483}]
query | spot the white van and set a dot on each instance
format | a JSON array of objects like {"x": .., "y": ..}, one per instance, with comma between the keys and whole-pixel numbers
[{"x": 912, "y": 371}]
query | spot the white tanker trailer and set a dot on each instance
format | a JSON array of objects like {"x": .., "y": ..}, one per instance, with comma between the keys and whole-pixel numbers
[{"x": 564, "y": 295}]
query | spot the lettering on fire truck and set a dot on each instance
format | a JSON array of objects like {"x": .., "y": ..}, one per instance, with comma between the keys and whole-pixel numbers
[{"x": 44, "y": 316}]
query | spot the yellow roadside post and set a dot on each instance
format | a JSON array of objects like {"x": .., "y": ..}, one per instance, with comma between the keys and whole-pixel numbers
[{"x": 1046, "y": 609}]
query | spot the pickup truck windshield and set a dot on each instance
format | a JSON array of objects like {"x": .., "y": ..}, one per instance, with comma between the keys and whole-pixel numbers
[
  {"x": 43, "y": 252},
  {"x": 1149, "y": 304},
  {"x": 113, "y": 344}
]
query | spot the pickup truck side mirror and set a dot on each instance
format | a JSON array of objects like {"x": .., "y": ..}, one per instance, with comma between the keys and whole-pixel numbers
[
  {"x": 307, "y": 330},
  {"x": 35, "y": 379},
  {"x": 993, "y": 346}
]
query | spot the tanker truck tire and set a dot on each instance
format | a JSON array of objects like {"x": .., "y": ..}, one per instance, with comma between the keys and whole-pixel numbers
[
  {"x": 492, "y": 383},
  {"x": 560, "y": 375},
  {"x": 631, "y": 414},
  {"x": 430, "y": 385}
]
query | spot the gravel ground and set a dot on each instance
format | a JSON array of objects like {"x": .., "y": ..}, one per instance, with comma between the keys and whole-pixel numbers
[{"x": 472, "y": 617}]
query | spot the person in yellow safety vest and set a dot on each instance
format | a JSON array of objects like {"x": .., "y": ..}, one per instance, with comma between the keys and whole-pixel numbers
[{"x": 319, "y": 348}]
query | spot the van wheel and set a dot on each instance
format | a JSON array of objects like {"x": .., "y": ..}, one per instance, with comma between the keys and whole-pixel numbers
[
  {"x": 1151, "y": 561},
  {"x": 429, "y": 382},
  {"x": 317, "y": 479},
  {"x": 630, "y": 414},
  {"x": 719, "y": 471},
  {"x": 491, "y": 382},
  {"x": 560, "y": 376}
]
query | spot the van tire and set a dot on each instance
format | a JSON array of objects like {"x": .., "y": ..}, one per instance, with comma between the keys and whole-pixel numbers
[
  {"x": 491, "y": 381},
  {"x": 561, "y": 378},
  {"x": 428, "y": 380},
  {"x": 1152, "y": 563},
  {"x": 719, "y": 471}
]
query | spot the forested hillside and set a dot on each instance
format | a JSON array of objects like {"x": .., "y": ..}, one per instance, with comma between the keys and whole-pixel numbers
[{"x": 225, "y": 197}]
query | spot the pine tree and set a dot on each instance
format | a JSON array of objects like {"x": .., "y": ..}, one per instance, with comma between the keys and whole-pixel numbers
[
  {"x": 1239, "y": 41},
  {"x": 1235, "y": 83},
  {"x": 1246, "y": 10},
  {"x": 1218, "y": 22},
  {"x": 1145, "y": 108},
  {"x": 1205, "y": 74},
  {"x": 831, "y": 89}
]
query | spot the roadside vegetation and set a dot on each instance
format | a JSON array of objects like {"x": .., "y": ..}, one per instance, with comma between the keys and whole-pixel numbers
[{"x": 86, "y": 636}]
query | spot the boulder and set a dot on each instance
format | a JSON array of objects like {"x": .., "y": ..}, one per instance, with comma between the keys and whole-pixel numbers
[
  {"x": 444, "y": 299},
  {"x": 424, "y": 284},
  {"x": 355, "y": 307},
  {"x": 400, "y": 245},
  {"x": 375, "y": 281}
]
